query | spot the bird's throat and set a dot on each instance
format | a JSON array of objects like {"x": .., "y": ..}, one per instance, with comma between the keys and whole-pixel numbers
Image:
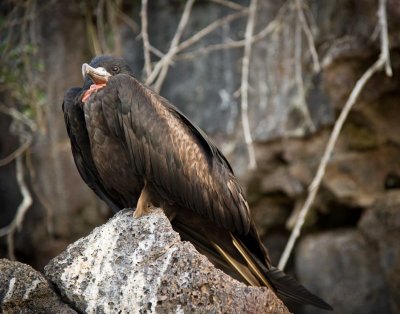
[{"x": 93, "y": 88}]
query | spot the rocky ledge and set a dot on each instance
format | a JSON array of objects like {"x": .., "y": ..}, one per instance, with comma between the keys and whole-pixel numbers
[{"x": 141, "y": 266}]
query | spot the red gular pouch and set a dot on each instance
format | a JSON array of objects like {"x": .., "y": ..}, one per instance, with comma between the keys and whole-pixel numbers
[{"x": 93, "y": 88}]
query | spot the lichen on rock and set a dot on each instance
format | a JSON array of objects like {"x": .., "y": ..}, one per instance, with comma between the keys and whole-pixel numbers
[
  {"x": 140, "y": 265},
  {"x": 24, "y": 290}
]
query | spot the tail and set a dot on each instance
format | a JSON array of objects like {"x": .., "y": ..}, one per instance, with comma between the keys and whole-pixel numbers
[
  {"x": 242, "y": 257},
  {"x": 278, "y": 281},
  {"x": 288, "y": 287}
]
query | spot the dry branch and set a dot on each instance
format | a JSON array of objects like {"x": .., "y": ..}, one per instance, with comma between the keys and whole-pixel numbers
[
  {"x": 25, "y": 137},
  {"x": 309, "y": 36},
  {"x": 382, "y": 63},
  {"x": 209, "y": 28},
  {"x": 112, "y": 9},
  {"x": 229, "y": 4},
  {"x": 91, "y": 34},
  {"x": 174, "y": 44},
  {"x": 384, "y": 37},
  {"x": 302, "y": 104},
  {"x": 166, "y": 59},
  {"x": 145, "y": 38},
  {"x": 128, "y": 21},
  {"x": 272, "y": 26},
  {"x": 100, "y": 26},
  {"x": 16, "y": 153},
  {"x": 156, "y": 52},
  {"x": 244, "y": 86},
  {"x": 38, "y": 193},
  {"x": 16, "y": 115},
  {"x": 16, "y": 223}
]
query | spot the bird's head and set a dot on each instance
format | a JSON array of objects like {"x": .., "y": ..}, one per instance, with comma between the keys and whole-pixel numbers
[
  {"x": 101, "y": 68},
  {"x": 97, "y": 73}
]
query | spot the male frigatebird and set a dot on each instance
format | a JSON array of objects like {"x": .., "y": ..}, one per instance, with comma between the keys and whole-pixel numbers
[{"x": 136, "y": 150}]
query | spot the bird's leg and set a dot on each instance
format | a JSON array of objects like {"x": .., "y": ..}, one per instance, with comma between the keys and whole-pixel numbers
[{"x": 143, "y": 204}]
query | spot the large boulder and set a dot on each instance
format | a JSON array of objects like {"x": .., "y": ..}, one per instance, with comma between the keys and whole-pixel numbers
[
  {"x": 346, "y": 273},
  {"x": 24, "y": 290},
  {"x": 381, "y": 227},
  {"x": 141, "y": 265},
  {"x": 357, "y": 269}
]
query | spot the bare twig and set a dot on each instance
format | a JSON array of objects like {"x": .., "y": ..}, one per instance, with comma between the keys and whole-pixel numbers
[
  {"x": 37, "y": 191},
  {"x": 302, "y": 104},
  {"x": 18, "y": 152},
  {"x": 381, "y": 63},
  {"x": 91, "y": 33},
  {"x": 15, "y": 114},
  {"x": 384, "y": 37},
  {"x": 193, "y": 39},
  {"x": 112, "y": 9},
  {"x": 163, "y": 65},
  {"x": 16, "y": 223},
  {"x": 128, "y": 21},
  {"x": 215, "y": 47},
  {"x": 145, "y": 38},
  {"x": 229, "y": 4},
  {"x": 309, "y": 36},
  {"x": 156, "y": 52},
  {"x": 272, "y": 26},
  {"x": 100, "y": 26},
  {"x": 26, "y": 140},
  {"x": 244, "y": 87},
  {"x": 209, "y": 28}
]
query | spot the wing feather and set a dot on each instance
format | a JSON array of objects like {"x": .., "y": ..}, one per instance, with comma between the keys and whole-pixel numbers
[
  {"x": 80, "y": 146},
  {"x": 176, "y": 156}
]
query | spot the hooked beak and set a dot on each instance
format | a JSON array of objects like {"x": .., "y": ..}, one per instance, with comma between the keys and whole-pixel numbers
[{"x": 98, "y": 75}]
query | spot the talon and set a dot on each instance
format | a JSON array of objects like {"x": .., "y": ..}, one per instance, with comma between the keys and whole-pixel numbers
[
  {"x": 143, "y": 204},
  {"x": 138, "y": 213}
]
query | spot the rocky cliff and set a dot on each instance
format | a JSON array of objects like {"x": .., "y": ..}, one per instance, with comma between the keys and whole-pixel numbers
[{"x": 349, "y": 235}]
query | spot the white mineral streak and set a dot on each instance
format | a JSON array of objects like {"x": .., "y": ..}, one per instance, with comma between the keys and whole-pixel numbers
[
  {"x": 140, "y": 266},
  {"x": 76, "y": 273},
  {"x": 10, "y": 290},
  {"x": 157, "y": 284},
  {"x": 135, "y": 292},
  {"x": 179, "y": 310},
  {"x": 140, "y": 286},
  {"x": 31, "y": 288}
]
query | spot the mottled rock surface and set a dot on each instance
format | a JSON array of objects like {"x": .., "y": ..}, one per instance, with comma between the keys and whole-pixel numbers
[
  {"x": 141, "y": 266},
  {"x": 357, "y": 269},
  {"x": 381, "y": 227},
  {"x": 24, "y": 290},
  {"x": 347, "y": 272}
]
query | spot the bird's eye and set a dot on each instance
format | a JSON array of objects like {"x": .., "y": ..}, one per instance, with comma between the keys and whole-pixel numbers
[{"x": 115, "y": 68}]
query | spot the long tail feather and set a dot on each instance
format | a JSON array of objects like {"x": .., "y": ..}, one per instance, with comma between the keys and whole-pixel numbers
[
  {"x": 290, "y": 288},
  {"x": 242, "y": 257},
  {"x": 241, "y": 269},
  {"x": 250, "y": 262},
  {"x": 278, "y": 281}
]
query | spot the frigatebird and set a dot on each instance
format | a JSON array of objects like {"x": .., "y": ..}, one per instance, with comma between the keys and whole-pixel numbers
[{"x": 136, "y": 150}]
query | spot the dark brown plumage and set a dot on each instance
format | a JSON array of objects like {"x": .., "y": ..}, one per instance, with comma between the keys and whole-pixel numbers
[{"x": 134, "y": 149}]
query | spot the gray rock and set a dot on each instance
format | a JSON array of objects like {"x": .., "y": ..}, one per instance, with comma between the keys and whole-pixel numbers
[
  {"x": 141, "y": 266},
  {"x": 381, "y": 226},
  {"x": 358, "y": 179},
  {"x": 346, "y": 273},
  {"x": 24, "y": 290}
]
